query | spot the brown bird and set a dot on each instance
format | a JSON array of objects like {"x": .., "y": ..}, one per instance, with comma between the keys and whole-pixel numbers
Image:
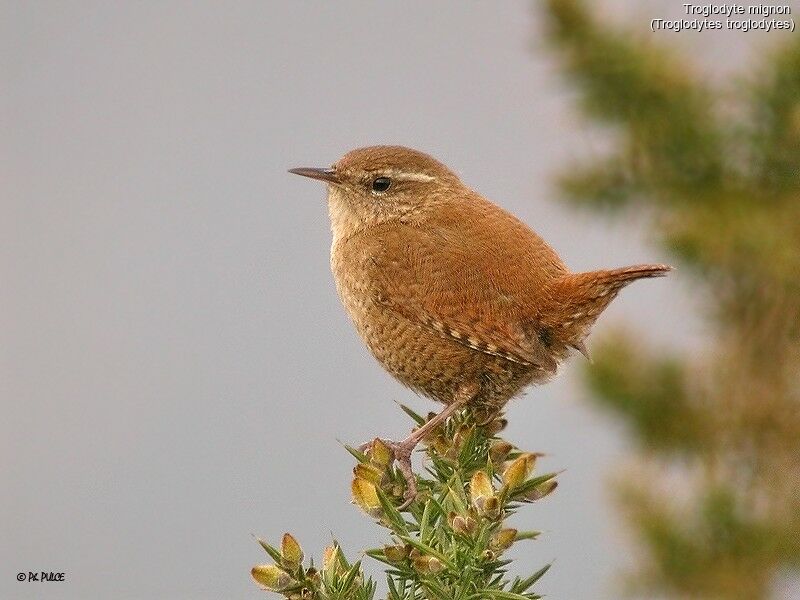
[{"x": 454, "y": 296}]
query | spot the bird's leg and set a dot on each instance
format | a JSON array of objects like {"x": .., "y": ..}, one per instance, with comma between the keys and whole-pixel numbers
[{"x": 402, "y": 450}]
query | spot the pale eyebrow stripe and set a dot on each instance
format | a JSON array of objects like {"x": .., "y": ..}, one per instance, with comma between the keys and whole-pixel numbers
[{"x": 410, "y": 176}]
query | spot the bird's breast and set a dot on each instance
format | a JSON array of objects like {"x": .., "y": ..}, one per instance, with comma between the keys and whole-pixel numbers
[
  {"x": 417, "y": 355},
  {"x": 356, "y": 286}
]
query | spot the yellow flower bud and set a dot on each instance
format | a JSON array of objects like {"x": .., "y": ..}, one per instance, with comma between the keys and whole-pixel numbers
[
  {"x": 395, "y": 554},
  {"x": 459, "y": 524},
  {"x": 517, "y": 472},
  {"x": 491, "y": 508},
  {"x": 472, "y": 525},
  {"x": 271, "y": 577},
  {"x": 435, "y": 565},
  {"x": 499, "y": 451},
  {"x": 496, "y": 426},
  {"x": 291, "y": 552},
  {"x": 428, "y": 564},
  {"x": 480, "y": 489},
  {"x": 330, "y": 559},
  {"x": 365, "y": 495},
  {"x": 369, "y": 472},
  {"x": 379, "y": 453},
  {"x": 541, "y": 490},
  {"x": 503, "y": 539}
]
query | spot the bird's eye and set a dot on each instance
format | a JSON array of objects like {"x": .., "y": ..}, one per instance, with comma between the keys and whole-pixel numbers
[{"x": 381, "y": 184}]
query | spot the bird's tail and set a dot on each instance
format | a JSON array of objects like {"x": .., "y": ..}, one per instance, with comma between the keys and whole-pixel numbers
[{"x": 577, "y": 299}]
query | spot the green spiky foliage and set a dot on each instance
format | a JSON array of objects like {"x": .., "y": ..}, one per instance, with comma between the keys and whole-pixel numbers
[
  {"x": 714, "y": 496},
  {"x": 449, "y": 543}
]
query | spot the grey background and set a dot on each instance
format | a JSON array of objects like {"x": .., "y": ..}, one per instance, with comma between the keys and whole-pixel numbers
[{"x": 176, "y": 368}]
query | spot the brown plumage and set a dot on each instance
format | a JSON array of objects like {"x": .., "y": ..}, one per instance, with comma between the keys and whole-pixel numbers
[
  {"x": 453, "y": 295},
  {"x": 447, "y": 288}
]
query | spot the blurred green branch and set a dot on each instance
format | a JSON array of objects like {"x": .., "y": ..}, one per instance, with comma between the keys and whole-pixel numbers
[{"x": 718, "y": 170}]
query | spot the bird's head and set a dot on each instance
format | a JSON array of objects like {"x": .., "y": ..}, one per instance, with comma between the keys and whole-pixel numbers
[{"x": 373, "y": 185}]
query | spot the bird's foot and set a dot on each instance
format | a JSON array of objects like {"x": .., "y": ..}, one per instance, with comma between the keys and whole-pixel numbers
[
  {"x": 401, "y": 455},
  {"x": 401, "y": 451}
]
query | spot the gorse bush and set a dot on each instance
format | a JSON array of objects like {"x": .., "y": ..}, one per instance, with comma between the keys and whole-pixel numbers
[{"x": 449, "y": 543}]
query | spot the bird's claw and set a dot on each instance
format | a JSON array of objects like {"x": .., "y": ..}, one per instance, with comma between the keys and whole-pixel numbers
[{"x": 401, "y": 454}]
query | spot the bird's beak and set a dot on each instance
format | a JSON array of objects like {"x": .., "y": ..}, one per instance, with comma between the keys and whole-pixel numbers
[{"x": 328, "y": 175}]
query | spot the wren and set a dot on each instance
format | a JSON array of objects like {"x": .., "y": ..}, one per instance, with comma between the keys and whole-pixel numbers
[{"x": 454, "y": 296}]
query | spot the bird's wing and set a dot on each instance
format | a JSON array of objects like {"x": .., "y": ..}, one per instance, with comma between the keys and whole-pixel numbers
[{"x": 461, "y": 291}]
